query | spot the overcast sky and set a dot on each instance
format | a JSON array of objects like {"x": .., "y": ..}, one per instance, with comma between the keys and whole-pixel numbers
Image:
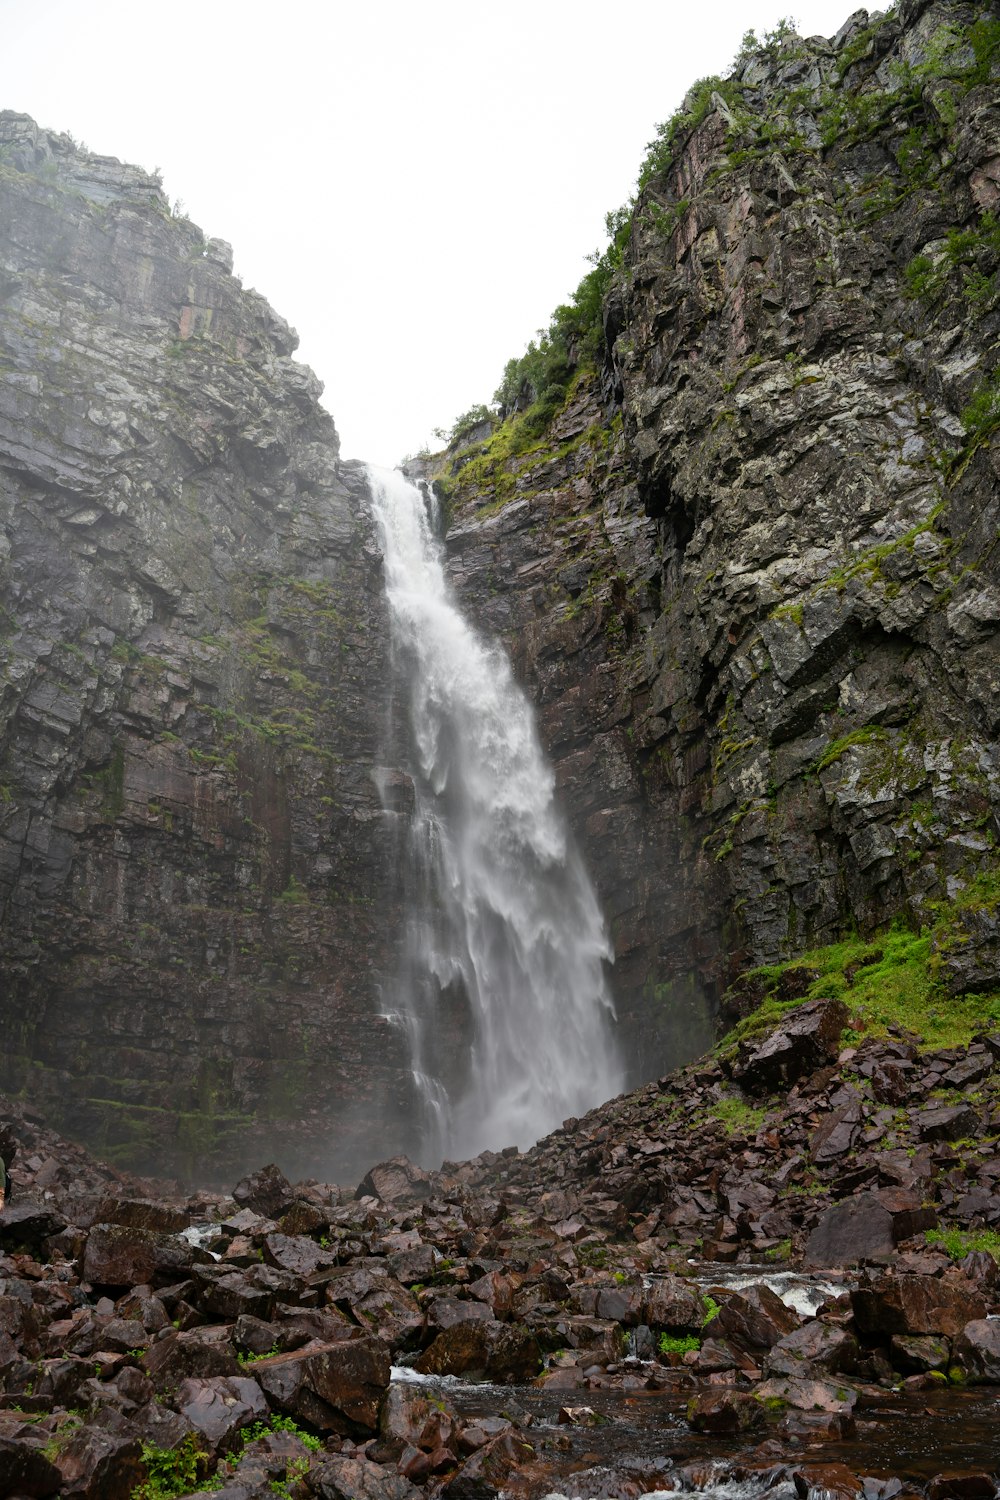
[{"x": 413, "y": 186}]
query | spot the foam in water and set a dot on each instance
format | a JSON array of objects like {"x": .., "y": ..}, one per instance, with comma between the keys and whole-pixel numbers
[{"x": 502, "y": 913}]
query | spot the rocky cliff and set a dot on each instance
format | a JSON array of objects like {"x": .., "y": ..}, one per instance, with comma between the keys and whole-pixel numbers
[
  {"x": 197, "y": 878},
  {"x": 742, "y": 549},
  {"x": 750, "y": 569}
]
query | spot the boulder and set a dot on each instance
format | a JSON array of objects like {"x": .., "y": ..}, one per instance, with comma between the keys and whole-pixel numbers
[
  {"x": 398, "y": 1180},
  {"x": 24, "y": 1470},
  {"x": 916, "y": 1304},
  {"x": 977, "y": 1351},
  {"x": 27, "y": 1224},
  {"x": 724, "y": 1411},
  {"x": 853, "y": 1230},
  {"x": 804, "y": 1040},
  {"x": 674, "y": 1305},
  {"x": 350, "y": 1477},
  {"x": 220, "y": 1407},
  {"x": 266, "y": 1191},
  {"x": 119, "y": 1256},
  {"x": 142, "y": 1213},
  {"x": 96, "y": 1464},
  {"x": 755, "y": 1318},
  {"x": 814, "y": 1349},
  {"x": 333, "y": 1387}
]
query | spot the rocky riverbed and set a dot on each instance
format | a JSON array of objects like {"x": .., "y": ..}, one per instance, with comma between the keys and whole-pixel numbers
[{"x": 758, "y": 1274}]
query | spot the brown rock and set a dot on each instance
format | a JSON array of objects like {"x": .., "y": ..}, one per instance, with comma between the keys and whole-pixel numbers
[
  {"x": 220, "y": 1407},
  {"x": 24, "y": 1470},
  {"x": 977, "y": 1350},
  {"x": 99, "y": 1465},
  {"x": 673, "y": 1304},
  {"x": 334, "y": 1387},
  {"x": 351, "y": 1477},
  {"x": 916, "y": 1304},
  {"x": 266, "y": 1191},
  {"x": 398, "y": 1180},
  {"x": 803, "y": 1041},
  {"x": 120, "y": 1256},
  {"x": 814, "y": 1349},
  {"x": 724, "y": 1411},
  {"x": 853, "y": 1230},
  {"x": 753, "y": 1319}
]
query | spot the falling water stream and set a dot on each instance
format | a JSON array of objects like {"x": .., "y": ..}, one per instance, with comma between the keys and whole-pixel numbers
[{"x": 506, "y": 943}]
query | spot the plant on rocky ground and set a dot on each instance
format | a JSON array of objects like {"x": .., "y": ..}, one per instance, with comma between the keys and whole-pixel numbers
[
  {"x": 668, "y": 1343},
  {"x": 959, "y": 1242},
  {"x": 173, "y": 1471}
]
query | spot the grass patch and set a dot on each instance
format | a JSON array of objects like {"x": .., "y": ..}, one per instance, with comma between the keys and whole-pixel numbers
[
  {"x": 890, "y": 980},
  {"x": 737, "y": 1117},
  {"x": 959, "y": 1242},
  {"x": 669, "y": 1343}
]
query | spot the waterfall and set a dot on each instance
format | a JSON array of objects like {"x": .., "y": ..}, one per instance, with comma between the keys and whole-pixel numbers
[{"x": 501, "y": 989}]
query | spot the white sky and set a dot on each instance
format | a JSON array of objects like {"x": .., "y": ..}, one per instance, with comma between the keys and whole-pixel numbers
[{"x": 413, "y": 186}]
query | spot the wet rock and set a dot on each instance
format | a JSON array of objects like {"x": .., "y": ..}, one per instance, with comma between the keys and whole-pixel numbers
[
  {"x": 914, "y": 1355},
  {"x": 946, "y": 1122},
  {"x": 220, "y": 1407},
  {"x": 962, "y": 1484},
  {"x": 348, "y": 1477},
  {"x": 807, "y": 1395},
  {"x": 199, "y": 1352},
  {"x": 814, "y": 1349},
  {"x": 724, "y": 1412},
  {"x": 29, "y": 1224},
  {"x": 119, "y": 1256},
  {"x": 977, "y": 1350},
  {"x": 855, "y": 1229},
  {"x": 266, "y": 1191},
  {"x": 753, "y": 1319},
  {"x": 486, "y": 1472},
  {"x": 333, "y": 1387},
  {"x": 142, "y": 1213},
  {"x": 805, "y": 1040},
  {"x": 396, "y": 1181},
  {"x": 915, "y": 1305},
  {"x": 24, "y": 1470},
  {"x": 99, "y": 1465}
]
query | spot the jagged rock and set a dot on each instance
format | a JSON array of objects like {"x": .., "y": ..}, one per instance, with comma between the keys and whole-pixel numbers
[
  {"x": 27, "y": 1223},
  {"x": 98, "y": 1465},
  {"x": 347, "y": 1478},
  {"x": 395, "y": 1181},
  {"x": 724, "y": 1412},
  {"x": 116, "y": 1255},
  {"x": 813, "y": 1349},
  {"x": 754, "y": 1319},
  {"x": 220, "y": 1407},
  {"x": 267, "y": 1192},
  {"x": 800, "y": 1044},
  {"x": 24, "y": 1470},
  {"x": 334, "y": 1387},
  {"x": 915, "y": 1304},
  {"x": 853, "y": 1230},
  {"x": 977, "y": 1349}
]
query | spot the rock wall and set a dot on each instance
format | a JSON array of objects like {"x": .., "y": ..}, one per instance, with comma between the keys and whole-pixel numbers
[
  {"x": 751, "y": 572},
  {"x": 197, "y": 880}
]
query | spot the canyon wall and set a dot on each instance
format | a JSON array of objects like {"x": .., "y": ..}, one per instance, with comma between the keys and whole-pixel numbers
[
  {"x": 748, "y": 573},
  {"x": 751, "y": 571},
  {"x": 198, "y": 892}
]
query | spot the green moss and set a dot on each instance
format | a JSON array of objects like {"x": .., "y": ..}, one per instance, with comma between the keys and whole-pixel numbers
[
  {"x": 890, "y": 980},
  {"x": 737, "y": 1117},
  {"x": 867, "y": 735},
  {"x": 959, "y": 1243},
  {"x": 668, "y": 1343}
]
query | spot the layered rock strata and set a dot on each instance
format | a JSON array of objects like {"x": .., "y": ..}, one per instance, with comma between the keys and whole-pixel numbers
[
  {"x": 197, "y": 885},
  {"x": 751, "y": 572}
]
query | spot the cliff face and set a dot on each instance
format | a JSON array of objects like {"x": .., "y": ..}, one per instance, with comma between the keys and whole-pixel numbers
[
  {"x": 748, "y": 573},
  {"x": 751, "y": 572},
  {"x": 197, "y": 880}
]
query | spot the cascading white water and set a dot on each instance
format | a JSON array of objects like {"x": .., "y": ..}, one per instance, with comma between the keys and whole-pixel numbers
[{"x": 503, "y": 914}]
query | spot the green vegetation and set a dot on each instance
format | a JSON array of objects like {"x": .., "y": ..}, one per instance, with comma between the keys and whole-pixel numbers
[
  {"x": 281, "y": 1424},
  {"x": 669, "y": 1344},
  {"x": 868, "y": 734},
  {"x": 173, "y": 1471},
  {"x": 737, "y": 1117},
  {"x": 712, "y": 1309},
  {"x": 892, "y": 980},
  {"x": 981, "y": 417},
  {"x": 959, "y": 1242}
]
